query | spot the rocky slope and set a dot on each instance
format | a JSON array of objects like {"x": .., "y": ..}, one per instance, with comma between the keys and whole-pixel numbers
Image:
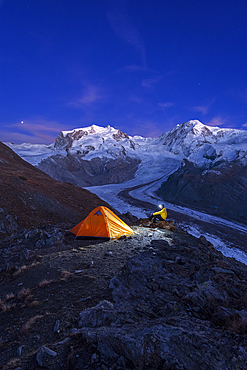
[
  {"x": 160, "y": 299},
  {"x": 220, "y": 190},
  {"x": 98, "y": 171},
  {"x": 31, "y": 198}
]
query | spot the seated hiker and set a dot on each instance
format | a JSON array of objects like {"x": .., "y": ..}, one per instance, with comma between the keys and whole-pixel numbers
[{"x": 160, "y": 215}]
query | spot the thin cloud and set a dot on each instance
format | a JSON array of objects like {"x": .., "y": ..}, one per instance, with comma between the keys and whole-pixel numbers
[
  {"x": 135, "y": 99},
  {"x": 133, "y": 68},
  {"x": 202, "y": 109},
  {"x": 36, "y": 130},
  {"x": 150, "y": 82},
  {"x": 217, "y": 121},
  {"x": 240, "y": 94},
  {"x": 127, "y": 32},
  {"x": 151, "y": 129},
  {"x": 91, "y": 95},
  {"x": 38, "y": 124},
  {"x": 19, "y": 138},
  {"x": 166, "y": 105}
]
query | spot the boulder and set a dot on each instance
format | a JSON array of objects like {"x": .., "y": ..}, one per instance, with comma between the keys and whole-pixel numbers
[
  {"x": 101, "y": 315},
  {"x": 45, "y": 356},
  {"x": 170, "y": 311}
]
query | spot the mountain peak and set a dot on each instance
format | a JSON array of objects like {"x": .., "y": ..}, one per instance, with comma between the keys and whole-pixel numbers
[
  {"x": 93, "y": 129},
  {"x": 199, "y": 143},
  {"x": 194, "y": 127},
  {"x": 67, "y": 139}
]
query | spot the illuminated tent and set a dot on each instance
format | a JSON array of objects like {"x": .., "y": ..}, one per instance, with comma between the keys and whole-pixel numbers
[{"x": 102, "y": 223}]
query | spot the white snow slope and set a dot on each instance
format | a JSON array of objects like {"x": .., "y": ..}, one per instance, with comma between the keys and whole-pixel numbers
[{"x": 198, "y": 143}]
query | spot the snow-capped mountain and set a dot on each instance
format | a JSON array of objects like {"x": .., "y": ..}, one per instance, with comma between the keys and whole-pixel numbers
[
  {"x": 94, "y": 156},
  {"x": 203, "y": 145},
  {"x": 83, "y": 137},
  {"x": 97, "y": 155},
  {"x": 213, "y": 177},
  {"x": 200, "y": 144}
]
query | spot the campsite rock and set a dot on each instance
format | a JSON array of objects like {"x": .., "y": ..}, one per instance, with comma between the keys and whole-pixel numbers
[
  {"x": 94, "y": 358},
  {"x": 166, "y": 225},
  {"x": 175, "y": 303},
  {"x": 101, "y": 315},
  {"x": 189, "y": 345},
  {"x": 171, "y": 300},
  {"x": 129, "y": 218},
  {"x": 56, "y": 326},
  {"x": 206, "y": 292},
  {"x": 108, "y": 253},
  {"x": 45, "y": 356},
  {"x": 222, "y": 271},
  {"x": 19, "y": 350},
  {"x": 24, "y": 246},
  {"x": 8, "y": 224}
]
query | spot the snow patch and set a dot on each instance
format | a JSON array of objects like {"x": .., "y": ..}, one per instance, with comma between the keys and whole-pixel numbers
[{"x": 225, "y": 248}]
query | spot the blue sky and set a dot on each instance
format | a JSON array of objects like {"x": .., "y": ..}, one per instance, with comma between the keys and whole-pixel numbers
[{"x": 140, "y": 66}]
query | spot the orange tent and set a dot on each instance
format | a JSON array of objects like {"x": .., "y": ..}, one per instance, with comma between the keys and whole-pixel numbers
[{"x": 102, "y": 223}]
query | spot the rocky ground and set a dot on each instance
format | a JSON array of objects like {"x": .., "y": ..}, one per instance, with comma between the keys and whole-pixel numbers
[{"x": 160, "y": 299}]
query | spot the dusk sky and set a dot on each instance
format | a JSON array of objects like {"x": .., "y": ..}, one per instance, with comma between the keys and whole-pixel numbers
[{"x": 140, "y": 66}]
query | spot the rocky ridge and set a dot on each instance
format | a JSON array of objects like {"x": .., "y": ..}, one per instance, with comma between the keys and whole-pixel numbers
[
  {"x": 30, "y": 198},
  {"x": 160, "y": 299},
  {"x": 75, "y": 169},
  {"x": 172, "y": 311},
  {"x": 220, "y": 190}
]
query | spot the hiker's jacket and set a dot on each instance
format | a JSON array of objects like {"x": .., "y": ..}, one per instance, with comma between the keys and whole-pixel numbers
[{"x": 162, "y": 213}]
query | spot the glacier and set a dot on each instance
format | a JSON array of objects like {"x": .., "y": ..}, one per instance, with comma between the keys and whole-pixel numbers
[{"x": 158, "y": 158}]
